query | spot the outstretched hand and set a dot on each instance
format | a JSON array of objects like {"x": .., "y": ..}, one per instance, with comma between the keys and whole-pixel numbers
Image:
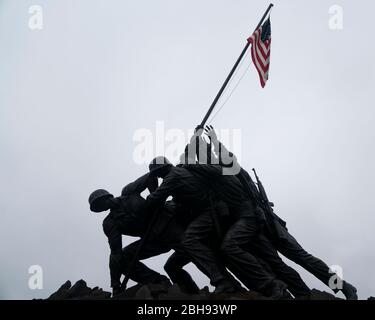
[{"x": 210, "y": 131}]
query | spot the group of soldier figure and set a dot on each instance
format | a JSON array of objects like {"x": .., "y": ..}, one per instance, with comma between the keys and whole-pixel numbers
[{"x": 218, "y": 221}]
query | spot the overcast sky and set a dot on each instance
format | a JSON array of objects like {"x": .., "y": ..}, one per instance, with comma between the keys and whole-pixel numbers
[{"x": 73, "y": 94}]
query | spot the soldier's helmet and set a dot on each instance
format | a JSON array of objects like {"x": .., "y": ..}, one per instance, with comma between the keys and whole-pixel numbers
[
  {"x": 158, "y": 163},
  {"x": 97, "y": 200}
]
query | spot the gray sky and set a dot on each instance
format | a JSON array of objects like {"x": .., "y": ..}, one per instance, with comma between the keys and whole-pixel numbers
[{"x": 73, "y": 94}]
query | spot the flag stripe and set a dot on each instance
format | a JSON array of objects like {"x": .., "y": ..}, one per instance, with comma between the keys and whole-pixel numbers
[{"x": 261, "y": 51}]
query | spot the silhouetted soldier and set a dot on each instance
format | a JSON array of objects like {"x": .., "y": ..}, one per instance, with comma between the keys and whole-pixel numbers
[
  {"x": 130, "y": 216},
  {"x": 192, "y": 194},
  {"x": 282, "y": 240},
  {"x": 244, "y": 230}
]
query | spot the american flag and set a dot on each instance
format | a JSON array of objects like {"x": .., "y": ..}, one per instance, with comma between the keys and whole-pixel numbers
[{"x": 261, "y": 49}]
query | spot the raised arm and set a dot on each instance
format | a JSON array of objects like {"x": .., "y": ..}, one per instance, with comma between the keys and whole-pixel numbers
[
  {"x": 226, "y": 158},
  {"x": 147, "y": 181},
  {"x": 190, "y": 151},
  {"x": 160, "y": 195}
]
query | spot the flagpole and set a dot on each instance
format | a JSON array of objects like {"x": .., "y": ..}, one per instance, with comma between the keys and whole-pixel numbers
[{"x": 232, "y": 71}]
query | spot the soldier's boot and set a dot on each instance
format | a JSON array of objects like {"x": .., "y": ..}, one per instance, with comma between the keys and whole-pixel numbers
[
  {"x": 349, "y": 291},
  {"x": 279, "y": 290},
  {"x": 225, "y": 286}
]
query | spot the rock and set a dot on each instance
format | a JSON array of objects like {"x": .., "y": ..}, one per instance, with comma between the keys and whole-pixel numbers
[
  {"x": 96, "y": 294},
  {"x": 144, "y": 293},
  {"x": 174, "y": 293},
  {"x": 157, "y": 289},
  {"x": 248, "y": 295},
  {"x": 322, "y": 295},
  {"x": 80, "y": 291},
  {"x": 128, "y": 293},
  {"x": 62, "y": 293}
]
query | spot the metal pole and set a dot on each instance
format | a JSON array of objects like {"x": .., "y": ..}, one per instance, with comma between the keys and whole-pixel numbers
[{"x": 232, "y": 71}]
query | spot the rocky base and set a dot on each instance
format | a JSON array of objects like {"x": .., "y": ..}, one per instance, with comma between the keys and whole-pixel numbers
[{"x": 80, "y": 291}]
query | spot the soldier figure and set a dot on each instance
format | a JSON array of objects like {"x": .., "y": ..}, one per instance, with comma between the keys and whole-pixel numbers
[
  {"x": 129, "y": 216},
  {"x": 282, "y": 240}
]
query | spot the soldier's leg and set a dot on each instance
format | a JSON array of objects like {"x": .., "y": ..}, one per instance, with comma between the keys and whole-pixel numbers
[
  {"x": 235, "y": 250},
  {"x": 141, "y": 273},
  {"x": 175, "y": 264},
  {"x": 195, "y": 243},
  {"x": 265, "y": 249},
  {"x": 172, "y": 236},
  {"x": 174, "y": 268},
  {"x": 290, "y": 248}
]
